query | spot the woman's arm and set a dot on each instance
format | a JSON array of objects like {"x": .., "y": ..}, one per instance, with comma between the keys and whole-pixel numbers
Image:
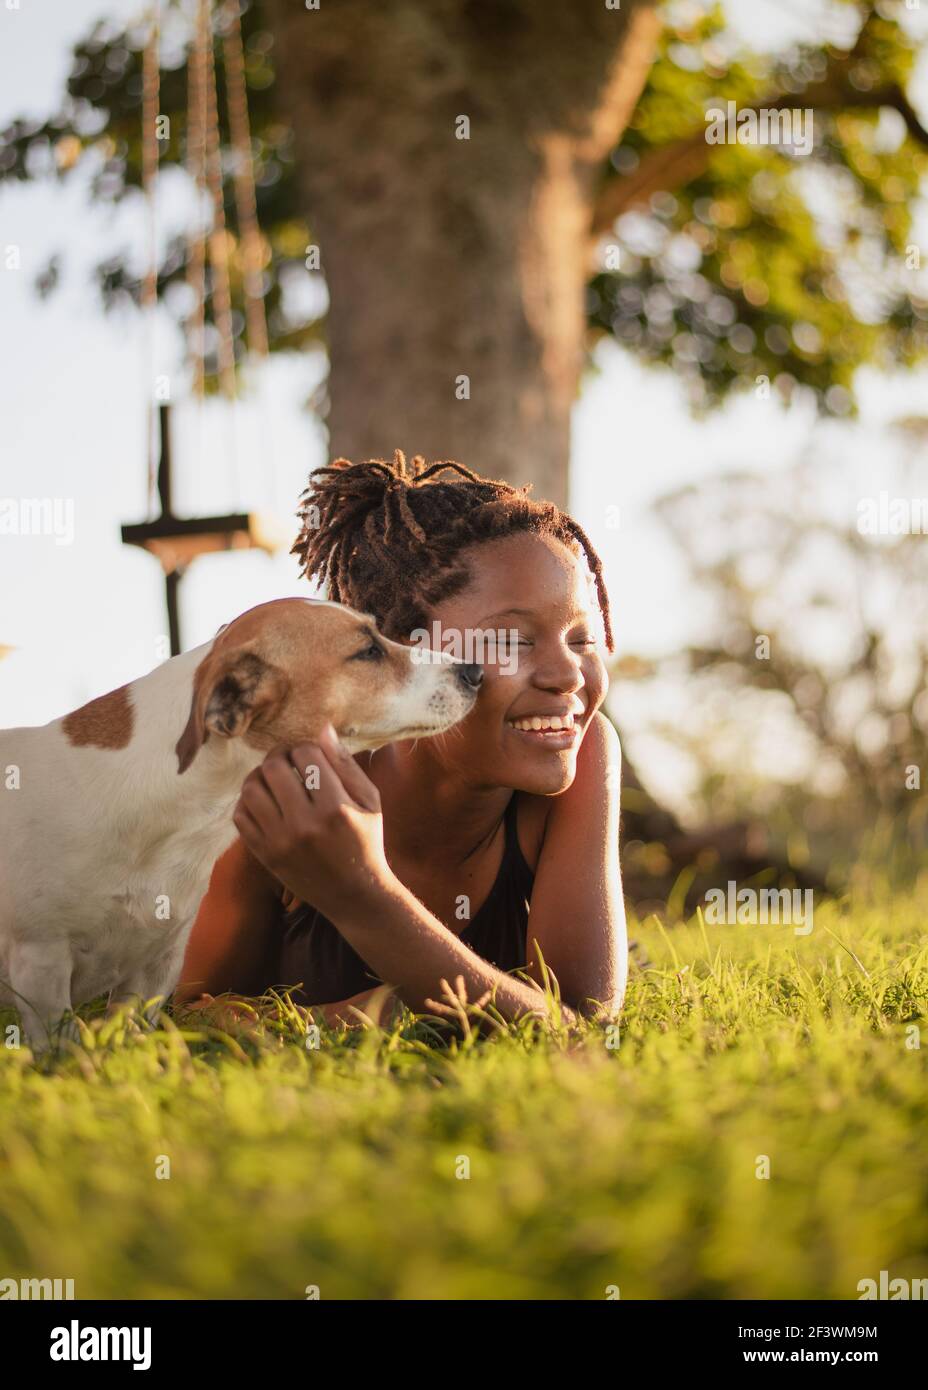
[
  {"x": 403, "y": 942},
  {"x": 577, "y": 915},
  {"x": 327, "y": 847},
  {"x": 388, "y": 1008},
  {"x": 233, "y": 942}
]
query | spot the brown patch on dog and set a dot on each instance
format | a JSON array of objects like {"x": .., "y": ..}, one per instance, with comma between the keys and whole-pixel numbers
[{"x": 103, "y": 723}]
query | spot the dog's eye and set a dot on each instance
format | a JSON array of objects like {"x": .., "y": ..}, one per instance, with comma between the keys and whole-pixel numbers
[{"x": 369, "y": 653}]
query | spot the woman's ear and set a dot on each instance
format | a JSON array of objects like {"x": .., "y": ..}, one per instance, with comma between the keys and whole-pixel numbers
[{"x": 230, "y": 690}]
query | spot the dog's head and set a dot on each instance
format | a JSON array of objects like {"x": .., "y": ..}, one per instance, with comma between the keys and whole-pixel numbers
[{"x": 280, "y": 672}]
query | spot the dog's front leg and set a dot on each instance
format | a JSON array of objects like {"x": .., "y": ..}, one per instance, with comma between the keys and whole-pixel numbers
[
  {"x": 154, "y": 981},
  {"x": 41, "y": 979}
]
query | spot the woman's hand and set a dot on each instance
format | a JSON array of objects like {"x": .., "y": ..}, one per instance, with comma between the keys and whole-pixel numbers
[{"x": 312, "y": 817}]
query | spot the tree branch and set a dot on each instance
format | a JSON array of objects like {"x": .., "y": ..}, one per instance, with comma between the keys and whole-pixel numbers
[{"x": 671, "y": 166}]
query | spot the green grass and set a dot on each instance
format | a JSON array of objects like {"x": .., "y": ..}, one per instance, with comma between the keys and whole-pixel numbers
[{"x": 589, "y": 1167}]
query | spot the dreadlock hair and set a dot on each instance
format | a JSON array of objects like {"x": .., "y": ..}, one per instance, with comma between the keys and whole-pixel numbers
[{"x": 387, "y": 539}]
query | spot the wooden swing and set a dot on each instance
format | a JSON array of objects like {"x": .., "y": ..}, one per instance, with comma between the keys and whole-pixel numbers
[{"x": 176, "y": 541}]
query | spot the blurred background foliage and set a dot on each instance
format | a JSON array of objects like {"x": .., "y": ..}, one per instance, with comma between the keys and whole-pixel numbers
[
  {"x": 735, "y": 261},
  {"x": 741, "y": 261},
  {"x": 800, "y": 707}
]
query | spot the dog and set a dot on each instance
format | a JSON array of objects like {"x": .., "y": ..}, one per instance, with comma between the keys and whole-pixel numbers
[{"x": 112, "y": 817}]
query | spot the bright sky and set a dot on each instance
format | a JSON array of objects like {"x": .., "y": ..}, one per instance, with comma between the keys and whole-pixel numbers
[{"x": 85, "y": 617}]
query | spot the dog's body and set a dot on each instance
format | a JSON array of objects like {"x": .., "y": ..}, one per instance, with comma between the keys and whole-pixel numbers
[
  {"x": 97, "y": 839},
  {"x": 112, "y": 818}
]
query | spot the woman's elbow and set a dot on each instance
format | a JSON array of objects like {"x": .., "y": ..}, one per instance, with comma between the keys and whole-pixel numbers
[{"x": 606, "y": 1007}]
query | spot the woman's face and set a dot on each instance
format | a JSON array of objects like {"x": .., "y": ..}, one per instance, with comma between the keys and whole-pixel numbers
[{"x": 529, "y": 616}]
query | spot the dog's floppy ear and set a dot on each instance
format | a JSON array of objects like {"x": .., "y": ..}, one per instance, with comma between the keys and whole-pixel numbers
[{"x": 230, "y": 690}]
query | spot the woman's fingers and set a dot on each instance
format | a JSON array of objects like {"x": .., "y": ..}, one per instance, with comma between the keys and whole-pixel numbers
[
  {"x": 277, "y": 777},
  {"x": 258, "y": 800},
  {"x": 249, "y": 829},
  {"x": 326, "y": 775},
  {"x": 302, "y": 782},
  {"x": 297, "y": 818},
  {"x": 321, "y": 779},
  {"x": 353, "y": 778},
  {"x": 202, "y": 1001}
]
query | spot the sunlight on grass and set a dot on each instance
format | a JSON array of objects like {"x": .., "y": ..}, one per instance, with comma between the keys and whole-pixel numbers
[{"x": 345, "y": 1166}]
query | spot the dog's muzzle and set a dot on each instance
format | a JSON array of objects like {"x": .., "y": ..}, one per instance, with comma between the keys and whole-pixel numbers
[{"x": 470, "y": 675}]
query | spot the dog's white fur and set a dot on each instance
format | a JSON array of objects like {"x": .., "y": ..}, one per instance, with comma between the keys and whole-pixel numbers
[{"x": 106, "y": 853}]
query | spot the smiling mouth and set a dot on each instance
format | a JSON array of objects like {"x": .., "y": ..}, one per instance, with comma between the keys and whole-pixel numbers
[
  {"x": 548, "y": 729},
  {"x": 540, "y": 723}
]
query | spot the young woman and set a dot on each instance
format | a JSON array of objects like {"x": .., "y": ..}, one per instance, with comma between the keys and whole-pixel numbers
[{"x": 454, "y": 860}]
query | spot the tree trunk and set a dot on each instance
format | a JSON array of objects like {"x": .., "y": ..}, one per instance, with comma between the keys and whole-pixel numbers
[
  {"x": 456, "y": 267},
  {"x": 451, "y": 258}
]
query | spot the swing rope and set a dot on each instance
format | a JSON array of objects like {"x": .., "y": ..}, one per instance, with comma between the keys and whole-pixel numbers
[
  {"x": 244, "y": 179},
  {"x": 196, "y": 169},
  {"x": 203, "y": 160},
  {"x": 151, "y": 92},
  {"x": 218, "y": 241},
  {"x": 175, "y": 540}
]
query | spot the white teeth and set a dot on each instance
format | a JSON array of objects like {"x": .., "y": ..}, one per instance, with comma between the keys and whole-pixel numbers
[{"x": 536, "y": 723}]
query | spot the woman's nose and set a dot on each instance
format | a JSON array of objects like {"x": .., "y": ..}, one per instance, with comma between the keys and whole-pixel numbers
[{"x": 561, "y": 671}]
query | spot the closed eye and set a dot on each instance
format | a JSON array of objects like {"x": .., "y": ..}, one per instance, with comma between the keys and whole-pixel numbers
[{"x": 372, "y": 652}]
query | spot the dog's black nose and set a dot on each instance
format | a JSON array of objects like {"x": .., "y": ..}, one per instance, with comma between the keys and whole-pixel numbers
[{"x": 470, "y": 674}]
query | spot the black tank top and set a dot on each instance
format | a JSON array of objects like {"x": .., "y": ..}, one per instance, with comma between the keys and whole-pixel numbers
[{"x": 315, "y": 955}]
